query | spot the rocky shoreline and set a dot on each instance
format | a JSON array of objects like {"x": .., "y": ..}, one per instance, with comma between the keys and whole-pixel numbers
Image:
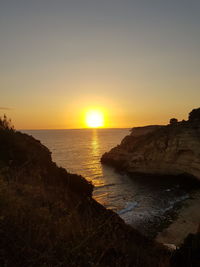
[
  {"x": 185, "y": 220},
  {"x": 159, "y": 225},
  {"x": 165, "y": 152}
]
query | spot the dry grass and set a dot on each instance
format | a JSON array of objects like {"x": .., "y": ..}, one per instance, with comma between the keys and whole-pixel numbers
[{"x": 48, "y": 216}]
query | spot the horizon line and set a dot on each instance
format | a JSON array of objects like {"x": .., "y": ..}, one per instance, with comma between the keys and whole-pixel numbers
[{"x": 62, "y": 129}]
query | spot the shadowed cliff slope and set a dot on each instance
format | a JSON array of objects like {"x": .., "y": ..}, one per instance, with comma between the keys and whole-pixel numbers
[
  {"x": 49, "y": 218},
  {"x": 173, "y": 149}
]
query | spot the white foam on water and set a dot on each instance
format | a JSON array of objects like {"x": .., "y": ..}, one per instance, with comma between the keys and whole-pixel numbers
[
  {"x": 172, "y": 203},
  {"x": 129, "y": 207}
]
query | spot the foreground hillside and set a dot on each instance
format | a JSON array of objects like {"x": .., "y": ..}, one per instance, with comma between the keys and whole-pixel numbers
[
  {"x": 173, "y": 149},
  {"x": 49, "y": 218}
]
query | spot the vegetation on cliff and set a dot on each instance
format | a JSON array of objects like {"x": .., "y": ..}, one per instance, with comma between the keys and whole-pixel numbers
[
  {"x": 49, "y": 218},
  {"x": 194, "y": 115}
]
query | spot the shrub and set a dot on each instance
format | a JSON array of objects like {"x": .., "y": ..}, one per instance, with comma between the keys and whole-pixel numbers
[
  {"x": 194, "y": 115},
  {"x": 5, "y": 123},
  {"x": 173, "y": 121}
]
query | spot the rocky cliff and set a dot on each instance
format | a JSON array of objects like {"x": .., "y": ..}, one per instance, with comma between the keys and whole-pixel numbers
[
  {"x": 49, "y": 218},
  {"x": 173, "y": 149}
]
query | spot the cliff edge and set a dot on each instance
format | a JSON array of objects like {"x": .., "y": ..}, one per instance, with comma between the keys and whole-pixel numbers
[
  {"x": 49, "y": 218},
  {"x": 173, "y": 149}
]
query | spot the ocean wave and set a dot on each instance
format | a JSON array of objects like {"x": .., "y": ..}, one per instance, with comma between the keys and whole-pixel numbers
[
  {"x": 172, "y": 203},
  {"x": 129, "y": 207}
]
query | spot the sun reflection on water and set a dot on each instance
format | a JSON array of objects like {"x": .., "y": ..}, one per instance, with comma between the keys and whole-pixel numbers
[
  {"x": 95, "y": 143},
  {"x": 95, "y": 162}
]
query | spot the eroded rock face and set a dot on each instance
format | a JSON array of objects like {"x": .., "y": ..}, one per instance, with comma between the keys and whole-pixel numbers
[{"x": 165, "y": 150}]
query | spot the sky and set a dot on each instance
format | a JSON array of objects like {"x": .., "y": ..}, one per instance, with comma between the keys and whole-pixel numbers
[{"x": 136, "y": 60}]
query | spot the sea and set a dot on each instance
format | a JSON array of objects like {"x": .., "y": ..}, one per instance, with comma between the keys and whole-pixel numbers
[{"x": 139, "y": 202}]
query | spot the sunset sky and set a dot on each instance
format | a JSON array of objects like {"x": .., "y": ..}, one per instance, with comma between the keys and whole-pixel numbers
[{"x": 137, "y": 61}]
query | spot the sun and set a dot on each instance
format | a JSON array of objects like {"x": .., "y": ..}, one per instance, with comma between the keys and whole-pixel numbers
[{"x": 94, "y": 119}]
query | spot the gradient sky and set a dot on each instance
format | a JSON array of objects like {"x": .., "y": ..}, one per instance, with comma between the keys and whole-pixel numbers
[{"x": 137, "y": 60}]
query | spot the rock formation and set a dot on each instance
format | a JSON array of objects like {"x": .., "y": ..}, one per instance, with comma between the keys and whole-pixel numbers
[
  {"x": 49, "y": 218},
  {"x": 173, "y": 149}
]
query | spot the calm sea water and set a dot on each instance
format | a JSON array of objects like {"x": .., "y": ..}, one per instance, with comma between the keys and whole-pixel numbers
[{"x": 137, "y": 201}]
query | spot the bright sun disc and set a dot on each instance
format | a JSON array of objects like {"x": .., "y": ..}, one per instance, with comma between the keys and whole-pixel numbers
[{"x": 94, "y": 119}]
